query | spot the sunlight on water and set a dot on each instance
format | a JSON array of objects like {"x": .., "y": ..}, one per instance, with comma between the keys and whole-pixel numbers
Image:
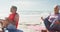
[{"x": 33, "y": 18}]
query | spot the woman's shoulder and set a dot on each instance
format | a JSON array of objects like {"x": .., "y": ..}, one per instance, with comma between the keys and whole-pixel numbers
[{"x": 17, "y": 14}]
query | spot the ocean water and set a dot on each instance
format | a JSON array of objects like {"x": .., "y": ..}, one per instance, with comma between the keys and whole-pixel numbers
[
  {"x": 32, "y": 19},
  {"x": 33, "y": 16}
]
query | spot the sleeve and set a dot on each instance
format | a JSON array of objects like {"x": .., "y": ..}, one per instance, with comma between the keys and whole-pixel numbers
[
  {"x": 47, "y": 17},
  {"x": 59, "y": 19}
]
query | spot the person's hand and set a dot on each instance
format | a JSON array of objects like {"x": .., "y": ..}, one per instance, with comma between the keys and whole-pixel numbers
[
  {"x": 57, "y": 22},
  {"x": 42, "y": 18}
]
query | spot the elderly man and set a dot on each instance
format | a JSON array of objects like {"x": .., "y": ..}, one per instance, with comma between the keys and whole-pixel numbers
[{"x": 52, "y": 22}]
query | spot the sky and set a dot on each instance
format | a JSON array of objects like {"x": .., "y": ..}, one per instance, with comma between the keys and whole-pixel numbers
[{"x": 27, "y": 5}]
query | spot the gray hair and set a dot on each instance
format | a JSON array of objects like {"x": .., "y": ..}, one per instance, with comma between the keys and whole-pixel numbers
[{"x": 57, "y": 6}]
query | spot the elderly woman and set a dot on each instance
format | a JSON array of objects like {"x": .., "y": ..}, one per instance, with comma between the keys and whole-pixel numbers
[{"x": 52, "y": 22}]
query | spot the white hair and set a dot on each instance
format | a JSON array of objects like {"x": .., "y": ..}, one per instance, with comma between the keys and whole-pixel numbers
[{"x": 57, "y": 6}]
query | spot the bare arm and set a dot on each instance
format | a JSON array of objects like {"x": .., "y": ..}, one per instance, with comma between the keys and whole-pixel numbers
[{"x": 16, "y": 18}]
